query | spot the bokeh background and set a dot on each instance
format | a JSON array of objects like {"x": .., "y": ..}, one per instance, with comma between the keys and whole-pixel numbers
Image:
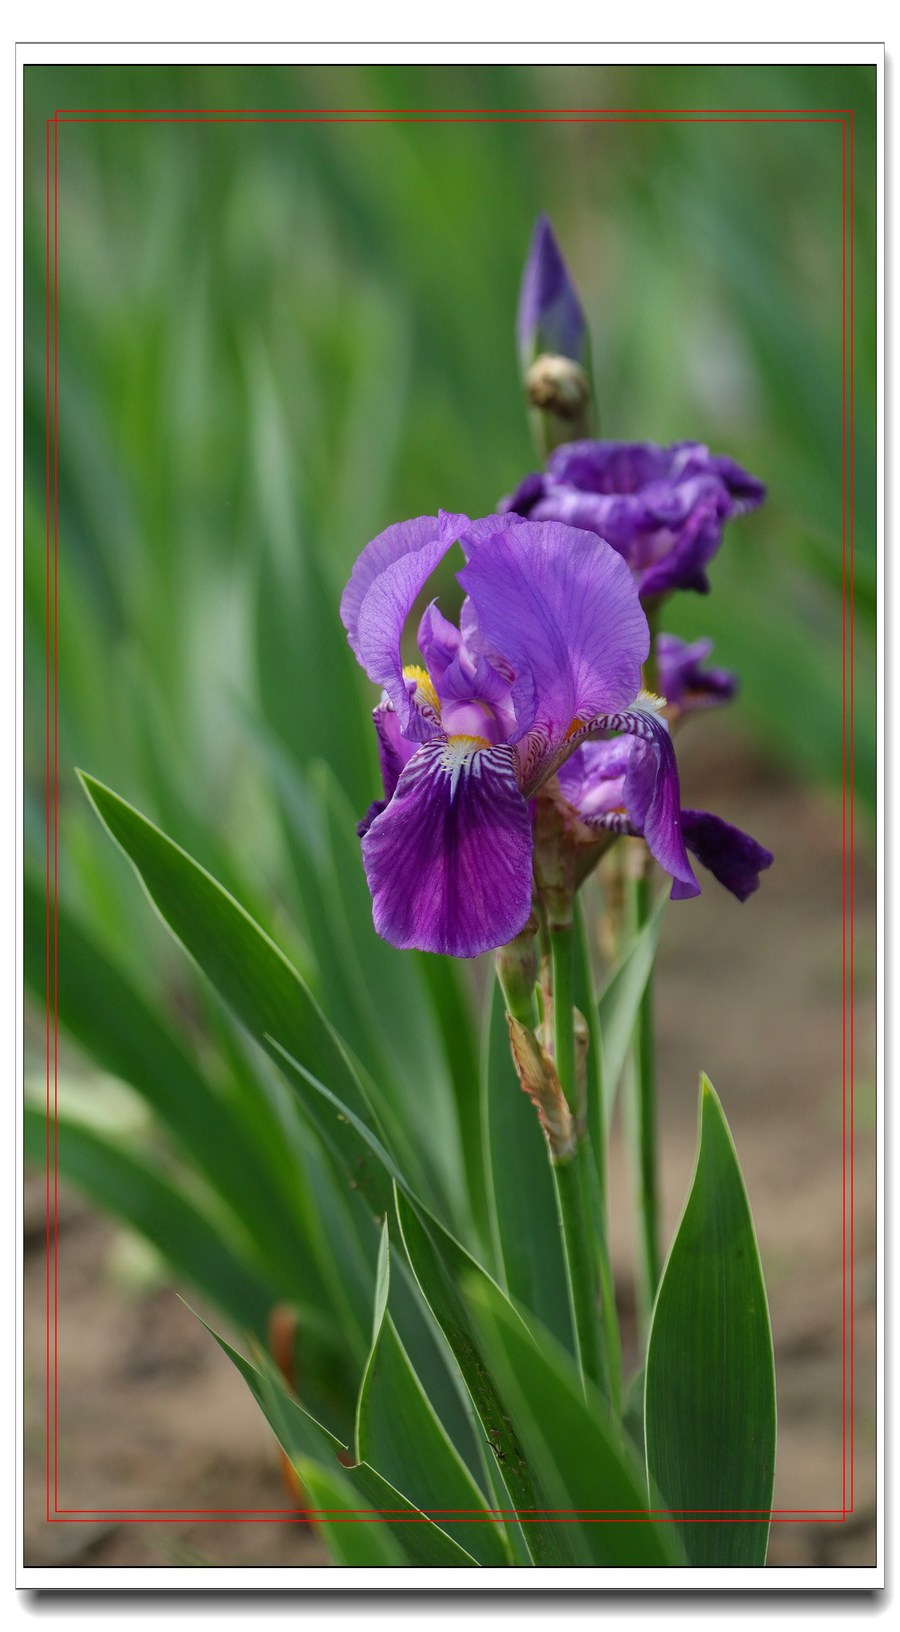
[{"x": 275, "y": 339}]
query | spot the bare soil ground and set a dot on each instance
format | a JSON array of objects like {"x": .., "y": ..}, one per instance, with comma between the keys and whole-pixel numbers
[{"x": 152, "y": 1415}]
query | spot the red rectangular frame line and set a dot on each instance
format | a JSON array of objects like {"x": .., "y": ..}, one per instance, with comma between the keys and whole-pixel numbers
[{"x": 63, "y": 116}]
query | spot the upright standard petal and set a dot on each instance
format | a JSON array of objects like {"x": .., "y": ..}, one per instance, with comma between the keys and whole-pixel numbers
[
  {"x": 388, "y": 576},
  {"x": 404, "y": 538},
  {"x": 449, "y": 860},
  {"x": 562, "y": 607}
]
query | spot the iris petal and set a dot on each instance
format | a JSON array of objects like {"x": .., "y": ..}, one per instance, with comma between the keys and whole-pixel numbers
[
  {"x": 561, "y": 606},
  {"x": 652, "y": 793},
  {"x": 732, "y": 856},
  {"x": 378, "y": 599},
  {"x": 449, "y": 860}
]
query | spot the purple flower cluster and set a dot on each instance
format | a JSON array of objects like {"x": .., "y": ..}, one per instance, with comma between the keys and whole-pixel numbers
[
  {"x": 662, "y": 509},
  {"x": 537, "y": 695},
  {"x": 547, "y": 656}
]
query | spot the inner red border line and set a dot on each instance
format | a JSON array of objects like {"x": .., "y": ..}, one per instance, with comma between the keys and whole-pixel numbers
[{"x": 446, "y": 116}]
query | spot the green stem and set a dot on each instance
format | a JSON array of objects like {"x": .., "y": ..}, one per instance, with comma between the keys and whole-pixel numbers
[
  {"x": 570, "y": 1174},
  {"x": 643, "y": 1123}
]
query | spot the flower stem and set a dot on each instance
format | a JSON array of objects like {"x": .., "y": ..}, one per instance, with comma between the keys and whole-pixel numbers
[
  {"x": 642, "y": 1121},
  {"x": 570, "y": 1174}
]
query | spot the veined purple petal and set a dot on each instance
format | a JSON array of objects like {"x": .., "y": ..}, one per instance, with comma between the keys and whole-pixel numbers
[
  {"x": 378, "y": 599},
  {"x": 550, "y": 318},
  {"x": 652, "y": 793},
  {"x": 404, "y": 538},
  {"x": 561, "y": 606},
  {"x": 732, "y": 856},
  {"x": 449, "y": 860}
]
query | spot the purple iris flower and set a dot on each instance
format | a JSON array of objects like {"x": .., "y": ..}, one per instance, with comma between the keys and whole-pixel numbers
[
  {"x": 549, "y": 319},
  {"x": 663, "y": 509},
  {"x": 607, "y": 784},
  {"x": 684, "y": 682},
  {"x": 549, "y": 650}
]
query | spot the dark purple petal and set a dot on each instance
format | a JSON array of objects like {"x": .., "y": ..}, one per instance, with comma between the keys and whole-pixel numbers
[
  {"x": 683, "y": 681},
  {"x": 746, "y": 491},
  {"x": 524, "y": 498},
  {"x": 733, "y": 857},
  {"x": 394, "y": 751},
  {"x": 549, "y": 318},
  {"x": 375, "y": 809},
  {"x": 562, "y": 608},
  {"x": 682, "y": 567},
  {"x": 387, "y": 578},
  {"x": 449, "y": 860}
]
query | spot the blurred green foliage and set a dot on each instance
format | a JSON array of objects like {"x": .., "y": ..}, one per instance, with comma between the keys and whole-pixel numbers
[
  {"x": 277, "y": 338},
  {"x": 274, "y": 340}
]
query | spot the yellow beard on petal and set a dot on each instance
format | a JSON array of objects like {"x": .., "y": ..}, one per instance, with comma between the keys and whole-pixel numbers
[{"x": 425, "y": 692}]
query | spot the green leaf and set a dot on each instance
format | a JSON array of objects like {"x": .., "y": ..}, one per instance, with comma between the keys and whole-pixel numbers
[
  {"x": 620, "y": 999},
  {"x": 300, "y": 1436},
  {"x": 441, "y": 1266},
  {"x": 359, "y": 1539},
  {"x": 126, "y": 1185},
  {"x": 526, "y": 1223},
  {"x": 452, "y": 1006},
  {"x": 398, "y": 1433},
  {"x": 249, "y": 971},
  {"x": 710, "y": 1388},
  {"x": 101, "y": 1007},
  {"x": 588, "y": 1473}
]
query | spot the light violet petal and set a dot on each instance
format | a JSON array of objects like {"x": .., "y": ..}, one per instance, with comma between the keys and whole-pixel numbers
[
  {"x": 562, "y": 608},
  {"x": 438, "y": 640},
  {"x": 383, "y": 611},
  {"x": 404, "y": 538},
  {"x": 449, "y": 861}
]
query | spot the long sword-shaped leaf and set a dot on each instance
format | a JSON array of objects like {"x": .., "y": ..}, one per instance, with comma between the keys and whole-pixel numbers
[
  {"x": 595, "y": 1484},
  {"x": 398, "y": 1432},
  {"x": 526, "y": 1223},
  {"x": 250, "y": 972},
  {"x": 619, "y": 1001},
  {"x": 126, "y": 1185},
  {"x": 103, "y": 1010},
  {"x": 420, "y": 1540},
  {"x": 710, "y": 1385}
]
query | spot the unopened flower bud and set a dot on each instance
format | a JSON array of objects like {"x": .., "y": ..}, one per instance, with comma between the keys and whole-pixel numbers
[{"x": 550, "y": 318}]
